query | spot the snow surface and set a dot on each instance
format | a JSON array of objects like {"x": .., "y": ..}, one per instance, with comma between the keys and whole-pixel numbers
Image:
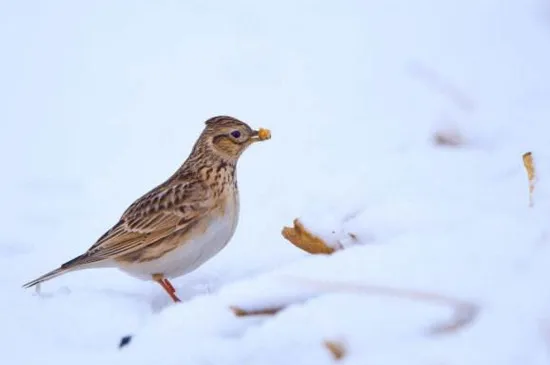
[{"x": 102, "y": 100}]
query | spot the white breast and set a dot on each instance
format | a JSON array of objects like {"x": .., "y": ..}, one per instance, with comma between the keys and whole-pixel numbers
[{"x": 192, "y": 253}]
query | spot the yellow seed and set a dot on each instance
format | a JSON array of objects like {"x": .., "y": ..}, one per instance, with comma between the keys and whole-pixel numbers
[{"x": 264, "y": 134}]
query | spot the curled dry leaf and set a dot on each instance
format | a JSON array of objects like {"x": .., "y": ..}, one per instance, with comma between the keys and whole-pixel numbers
[
  {"x": 531, "y": 174},
  {"x": 300, "y": 237}
]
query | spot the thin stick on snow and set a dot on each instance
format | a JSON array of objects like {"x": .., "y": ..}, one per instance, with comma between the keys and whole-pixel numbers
[
  {"x": 531, "y": 174},
  {"x": 240, "y": 312},
  {"x": 464, "y": 312}
]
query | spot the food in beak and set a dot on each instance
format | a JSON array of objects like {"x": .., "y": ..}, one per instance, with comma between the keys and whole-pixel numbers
[{"x": 264, "y": 134}]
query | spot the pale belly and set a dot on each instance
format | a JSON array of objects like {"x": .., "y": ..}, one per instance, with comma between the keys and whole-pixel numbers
[{"x": 191, "y": 254}]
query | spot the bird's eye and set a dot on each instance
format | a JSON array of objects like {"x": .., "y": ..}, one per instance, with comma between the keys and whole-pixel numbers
[{"x": 236, "y": 134}]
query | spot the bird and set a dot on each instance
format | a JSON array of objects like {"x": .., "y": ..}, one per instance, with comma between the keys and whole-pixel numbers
[{"x": 182, "y": 223}]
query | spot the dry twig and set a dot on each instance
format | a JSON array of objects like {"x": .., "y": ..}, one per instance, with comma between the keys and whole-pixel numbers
[
  {"x": 463, "y": 313},
  {"x": 240, "y": 312}
]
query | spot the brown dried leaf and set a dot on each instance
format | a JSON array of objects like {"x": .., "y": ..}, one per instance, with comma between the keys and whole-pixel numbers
[
  {"x": 337, "y": 349},
  {"x": 531, "y": 174},
  {"x": 300, "y": 237}
]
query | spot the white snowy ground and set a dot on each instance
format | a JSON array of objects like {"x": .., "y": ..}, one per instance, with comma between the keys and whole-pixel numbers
[{"x": 100, "y": 101}]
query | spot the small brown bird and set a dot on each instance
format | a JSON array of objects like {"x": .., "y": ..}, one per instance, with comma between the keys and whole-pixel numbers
[{"x": 183, "y": 222}]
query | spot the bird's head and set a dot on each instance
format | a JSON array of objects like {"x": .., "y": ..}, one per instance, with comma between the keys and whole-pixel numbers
[{"x": 228, "y": 137}]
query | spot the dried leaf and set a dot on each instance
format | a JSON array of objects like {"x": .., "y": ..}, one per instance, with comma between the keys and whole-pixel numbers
[
  {"x": 337, "y": 349},
  {"x": 531, "y": 174},
  {"x": 300, "y": 237}
]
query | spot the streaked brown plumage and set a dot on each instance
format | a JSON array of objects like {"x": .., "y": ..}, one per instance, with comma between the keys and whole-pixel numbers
[{"x": 183, "y": 222}]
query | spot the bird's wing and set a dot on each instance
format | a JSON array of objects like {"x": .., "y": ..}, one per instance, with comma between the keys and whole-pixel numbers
[{"x": 166, "y": 209}]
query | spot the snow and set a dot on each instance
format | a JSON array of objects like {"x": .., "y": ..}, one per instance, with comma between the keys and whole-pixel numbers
[{"x": 103, "y": 100}]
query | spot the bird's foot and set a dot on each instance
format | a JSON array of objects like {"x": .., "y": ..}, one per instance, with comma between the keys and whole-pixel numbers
[{"x": 167, "y": 286}]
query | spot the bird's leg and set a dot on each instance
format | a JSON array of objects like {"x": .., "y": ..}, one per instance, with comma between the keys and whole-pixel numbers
[
  {"x": 169, "y": 289},
  {"x": 167, "y": 286}
]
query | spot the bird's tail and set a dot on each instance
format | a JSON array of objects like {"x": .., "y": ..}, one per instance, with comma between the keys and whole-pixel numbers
[
  {"x": 84, "y": 261},
  {"x": 52, "y": 274}
]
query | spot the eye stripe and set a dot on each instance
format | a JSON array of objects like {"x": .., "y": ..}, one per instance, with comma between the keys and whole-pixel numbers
[{"x": 222, "y": 137}]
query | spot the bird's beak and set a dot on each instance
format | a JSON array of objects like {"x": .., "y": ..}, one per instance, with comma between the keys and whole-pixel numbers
[{"x": 261, "y": 135}]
